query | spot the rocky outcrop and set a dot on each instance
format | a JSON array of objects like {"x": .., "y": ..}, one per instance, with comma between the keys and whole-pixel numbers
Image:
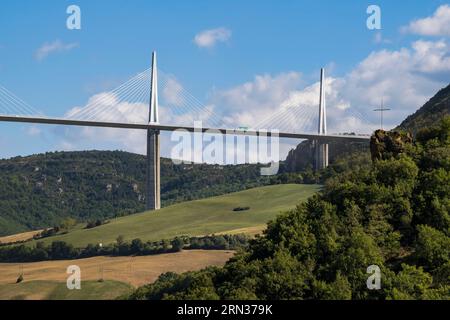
[
  {"x": 386, "y": 144},
  {"x": 300, "y": 158}
]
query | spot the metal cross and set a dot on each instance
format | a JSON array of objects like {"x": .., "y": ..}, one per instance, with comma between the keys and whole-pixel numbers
[{"x": 381, "y": 110}]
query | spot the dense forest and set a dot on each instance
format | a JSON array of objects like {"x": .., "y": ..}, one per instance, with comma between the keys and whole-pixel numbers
[
  {"x": 391, "y": 211},
  {"x": 43, "y": 190}
]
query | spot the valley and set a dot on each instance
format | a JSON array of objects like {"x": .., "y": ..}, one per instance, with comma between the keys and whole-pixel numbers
[{"x": 194, "y": 218}]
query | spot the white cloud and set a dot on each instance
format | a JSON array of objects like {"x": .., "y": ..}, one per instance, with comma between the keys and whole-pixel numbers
[
  {"x": 172, "y": 92},
  {"x": 405, "y": 78},
  {"x": 436, "y": 25},
  {"x": 53, "y": 47},
  {"x": 65, "y": 145},
  {"x": 209, "y": 38},
  {"x": 34, "y": 131},
  {"x": 251, "y": 102},
  {"x": 107, "y": 106},
  {"x": 431, "y": 57},
  {"x": 283, "y": 102}
]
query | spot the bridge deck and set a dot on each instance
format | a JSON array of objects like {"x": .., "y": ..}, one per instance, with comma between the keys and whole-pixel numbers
[{"x": 142, "y": 126}]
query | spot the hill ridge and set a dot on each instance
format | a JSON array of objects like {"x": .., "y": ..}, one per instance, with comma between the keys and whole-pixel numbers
[
  {"x": 41, "y": 190},
  {"x": 430, "y": 113}
]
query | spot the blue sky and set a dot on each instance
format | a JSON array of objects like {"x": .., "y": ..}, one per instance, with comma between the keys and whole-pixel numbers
[{"x": 269, "y": 38}]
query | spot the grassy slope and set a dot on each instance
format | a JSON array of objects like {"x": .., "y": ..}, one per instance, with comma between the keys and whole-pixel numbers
[
  {"x": 42, "y": 190},
  {"x": 52, "y": 290},
  {"x": 200, "y": 217}
]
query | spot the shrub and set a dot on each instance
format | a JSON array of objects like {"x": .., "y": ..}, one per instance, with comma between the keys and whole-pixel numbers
[{"x": 241, "y": 208}]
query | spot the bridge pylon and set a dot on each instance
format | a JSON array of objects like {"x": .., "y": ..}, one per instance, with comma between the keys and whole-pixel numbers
[
  {"x": 321, "y": 149},
  {"x": 153, "y": 186}
]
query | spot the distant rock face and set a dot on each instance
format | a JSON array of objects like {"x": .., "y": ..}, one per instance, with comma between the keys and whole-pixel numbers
[
  {"x": 385, "y": 144},
  {"x": 302, "y": 157}
]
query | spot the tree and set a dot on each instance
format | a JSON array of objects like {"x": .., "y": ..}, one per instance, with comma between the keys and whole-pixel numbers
[
  {"x": 339, "y": 289},
  {"x": 68, "y": 223},
  {"x": 61, "y": 250},
  {"x": 432, "y": 247},
  {"x": 177, "y": 244},
  {"x": 137, "y": 246},
  {"x": 410, "y": 283},
  {"x": 283, "y": 277},
  {"x": 120, "y": 239}
]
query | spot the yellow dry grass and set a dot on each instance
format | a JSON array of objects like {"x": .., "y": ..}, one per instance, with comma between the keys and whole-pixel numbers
[
  {"x": 250, "y": 231},
  {"x": 20, "y": 236},
  {"x": 136, "y": 271}
]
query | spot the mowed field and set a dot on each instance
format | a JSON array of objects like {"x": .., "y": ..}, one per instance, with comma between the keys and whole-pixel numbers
[
  {"x": 20, "y": 236},
  {"x": 53, "y": 290},
  {"x": 196, "y": 218},
  {"x": 47, "y": 279}
]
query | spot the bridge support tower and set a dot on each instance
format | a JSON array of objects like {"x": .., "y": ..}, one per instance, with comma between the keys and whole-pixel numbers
[
  {"x": 321, "y": 149},
  {"x": 153, "y": 188}
]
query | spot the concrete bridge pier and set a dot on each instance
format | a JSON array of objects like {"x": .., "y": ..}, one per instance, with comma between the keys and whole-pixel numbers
[
  {"x": 321, "y": 149},
  {"x": 153, "y": 171},
  {"x": 153, "y": 184},
  {"x": 321, "y": 155}
]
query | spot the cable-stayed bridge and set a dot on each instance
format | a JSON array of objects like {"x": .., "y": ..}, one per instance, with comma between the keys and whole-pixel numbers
[{"x": 135, "y": 105}]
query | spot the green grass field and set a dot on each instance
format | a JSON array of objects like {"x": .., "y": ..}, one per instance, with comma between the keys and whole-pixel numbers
[
  {"x": 52, "y": 290},
  {"x": 200, "y": 217}
]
